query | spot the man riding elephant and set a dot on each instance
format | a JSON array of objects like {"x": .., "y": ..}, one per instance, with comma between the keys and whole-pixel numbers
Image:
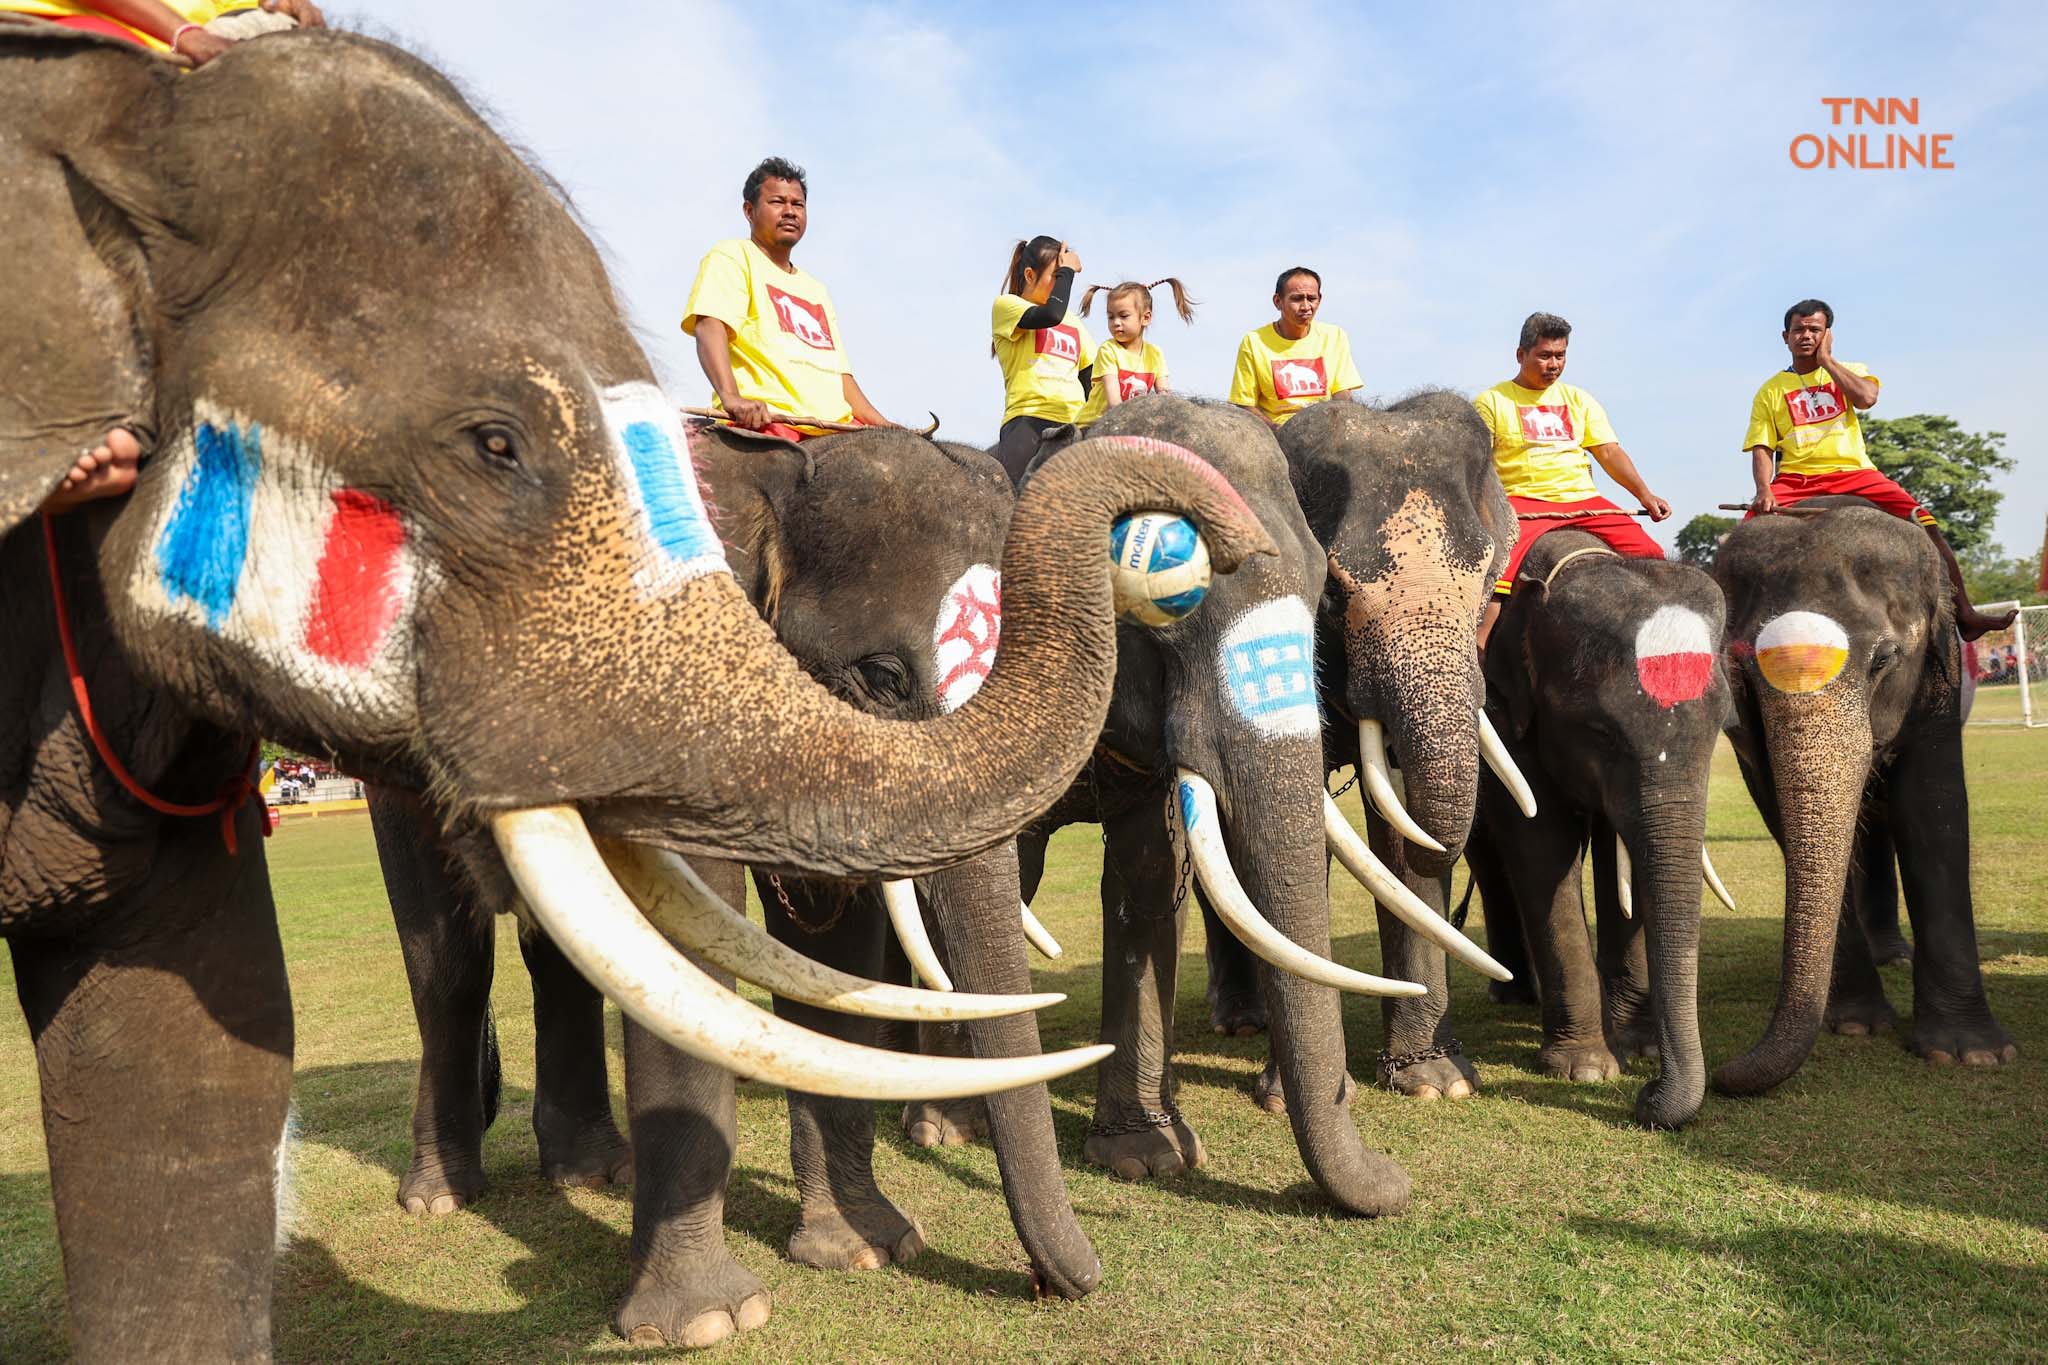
[
  {"x": 767, "y": 335},
  {"x": 1293, "y": 361}
]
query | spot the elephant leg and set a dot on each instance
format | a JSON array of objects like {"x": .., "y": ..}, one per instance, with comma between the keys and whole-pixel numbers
[
  {"x": 1856, "y": 1004},
  {"x": 1879, "y": 903},
  {"x": 572, "y": 1097},
  {"x": 1236, "y": 1009},
  {"x": 1421, "y": 1059},
  {"x": 447, "y": 944},
  {"x": 845, "y": 1222},
  {"x": 1624, "y": 960},
  {"x": 1138, "y": 1133},
  {"x": 165, "y": 1066},
  {"x": 1554, "y": 920},
  {"x": 686, "y": 1289},
  {"x": 1952, "y": 1019},
  {"x": 1504, "y": 940},
  {"x": 945, "y": 1123}
]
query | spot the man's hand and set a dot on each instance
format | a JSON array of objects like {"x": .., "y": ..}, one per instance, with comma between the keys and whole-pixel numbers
[
  {"x": 1764, "y": 502},
  {"x": 1825, "y": 352},
  {"x": 305, "y": 12},
  {"x": 1656, "y": 506},
  {"x": 198, "y": 47},
  {"x": 746, "y": 412}
]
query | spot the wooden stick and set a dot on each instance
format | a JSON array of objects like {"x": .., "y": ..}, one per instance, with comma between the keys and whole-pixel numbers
[
  {"x": 1584, "y": 512},
  {"x": 1793, "y": 511},
  {"x": 714, "y": 415}
]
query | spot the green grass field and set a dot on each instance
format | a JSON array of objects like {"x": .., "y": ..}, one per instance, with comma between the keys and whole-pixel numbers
[{"x": 1871, "y": 1208}]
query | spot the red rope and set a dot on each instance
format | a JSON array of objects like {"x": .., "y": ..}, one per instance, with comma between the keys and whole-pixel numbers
[{"x": 239, "y": 788}]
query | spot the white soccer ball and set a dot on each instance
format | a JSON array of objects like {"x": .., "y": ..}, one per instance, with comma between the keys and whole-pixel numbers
[{"x": 1161, "y": 568}]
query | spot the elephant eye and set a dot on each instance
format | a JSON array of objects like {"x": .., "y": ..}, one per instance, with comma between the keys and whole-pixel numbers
[
  {"x": 1884, "y": 656},
  {"x": 497, "y": 443},
  {"x": 884, "y": 676}
]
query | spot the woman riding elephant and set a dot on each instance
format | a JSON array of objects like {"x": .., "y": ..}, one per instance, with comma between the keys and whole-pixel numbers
[
  {"x": 416, "y": 502},
  {"x": 908, "y": 636},
  {"x": 1604, "y": 673},
  {"x": 1847, "y": 675}
]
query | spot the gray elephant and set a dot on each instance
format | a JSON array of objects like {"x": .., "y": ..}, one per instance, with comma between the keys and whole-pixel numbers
[
  {"x": 1847, "y": 676},
  {"x": 413, "y": 501},
  {"x": 1604, "y": 675},
  {"x": 1406, "y": 504},
  {"x": 909, "y": 633}
]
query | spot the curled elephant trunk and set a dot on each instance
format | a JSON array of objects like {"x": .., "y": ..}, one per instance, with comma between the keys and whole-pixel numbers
[
  {"x": 1667, "y": 886},
  {"x": 1819, "y": 748}
]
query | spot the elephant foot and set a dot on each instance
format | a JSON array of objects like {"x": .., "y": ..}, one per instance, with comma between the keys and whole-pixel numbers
[
  {"x": 858, "y": 1236},
  {"x": 591, "y": 1154},
  {"x": 1269, "y": 1094},
  {"x": 1890, "y": 949},
  {"x": 1436, "y": 1073},
  {"x": 1237, "y": 1016},
  {"x": 1516, "y": 992},
  {"x": 1578, "y": 1061},
  {"x": 1164, "y": 1145},
  {"x": 1631, "y": 1037},
  {"x": 1861, "y": 1018},
  {"x": 438, "y": 1185},
  {"x": 691, "y": 1307},
  {"x": 1981, "y": 1044},
  {"x": 946, "y": 1123}
]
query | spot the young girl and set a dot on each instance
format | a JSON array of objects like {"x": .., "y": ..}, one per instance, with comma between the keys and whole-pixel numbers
[
  {"x": 1042, "y": 347},
  {"x": 1128, "y": 364}
]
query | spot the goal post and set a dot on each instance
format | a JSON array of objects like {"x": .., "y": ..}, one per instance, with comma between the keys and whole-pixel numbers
[{"x": 2019, "y": 655}]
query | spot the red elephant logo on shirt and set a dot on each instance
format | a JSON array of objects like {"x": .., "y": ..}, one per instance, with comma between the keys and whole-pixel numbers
[
  {"x": 1061, "y": 343},
  {"x": 1131, "y": 383},
  {"x": 802, "y": 319},
  {"x": 1822, "y": 404},
  {"x": 1300, "y": 378},
  {"x": 1547, "y": 422}
]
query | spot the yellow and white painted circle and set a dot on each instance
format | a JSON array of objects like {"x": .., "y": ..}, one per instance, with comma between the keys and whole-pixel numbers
[{"x": 1801, "y": 651}]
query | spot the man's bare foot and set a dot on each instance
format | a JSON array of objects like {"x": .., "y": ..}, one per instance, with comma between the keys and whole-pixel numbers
[
  {"x": 1972, "y": 624},
  {"x": 105, "y": 471}
]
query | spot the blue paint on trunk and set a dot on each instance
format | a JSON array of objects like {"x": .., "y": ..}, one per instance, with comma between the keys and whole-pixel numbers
[
  {"x": 200, "y": 554},
  {"x": 668, "y": 491}
]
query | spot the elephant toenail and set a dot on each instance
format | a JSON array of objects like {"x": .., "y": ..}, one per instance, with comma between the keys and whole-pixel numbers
[
  {"x": 708, "y": 1329},
  {"x": 1979, "y": 1056},
  {"x": 753, "y": 1311},
  {"x": 1936, "y": 1057},
  {"x": 924, "y": 1134},
  {"x": 868, "y": 1258},
  {"x": 911, "y": 1243},
  {"x": 645, "y": 1335},
  {"x": 1425, "y": 1092},
  {"x": 1460, "y": 1088},
  {"x": 444, "y": 1203},
  {"x": 1129, "y": 1168}
]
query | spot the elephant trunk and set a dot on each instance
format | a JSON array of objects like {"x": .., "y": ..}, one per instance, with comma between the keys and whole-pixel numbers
[
  {"x": 1667, "y": 885},
  {"x": 1436, "y": 736},
  {"x": 1277, "y": 846},
  {"x": 976, "y": 906},
  {"x": 1819, "y": 749}
]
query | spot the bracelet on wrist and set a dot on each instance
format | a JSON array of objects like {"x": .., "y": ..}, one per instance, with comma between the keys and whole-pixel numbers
[{"x": 180, "y": 32}]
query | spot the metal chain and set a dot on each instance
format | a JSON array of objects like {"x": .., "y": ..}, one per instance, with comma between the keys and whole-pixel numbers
[
  {"x": 782, "y": 897},
  {"x": 1146, "y": 1121},
  {"x": 1348, "y": 785},
  {"x": 1390, "y": 1063},
  {"x": 1187, "y": 846}
]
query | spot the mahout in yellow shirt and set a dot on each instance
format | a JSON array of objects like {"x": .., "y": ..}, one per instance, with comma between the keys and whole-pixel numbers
[
  {"x": 1132, "y": 372},
  {"x": 1042, "y": 367},
  {"x": 1805, "y": 418},
  {"x": 1281, "y": 377},
  {"x": 785, "y": 333},
  {"x": 1540, "y": 439},
  {"x": 192, "y": 11}
]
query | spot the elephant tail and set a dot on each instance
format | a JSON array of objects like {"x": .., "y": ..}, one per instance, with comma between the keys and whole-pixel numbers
[{"x": 490, "y": 1071}]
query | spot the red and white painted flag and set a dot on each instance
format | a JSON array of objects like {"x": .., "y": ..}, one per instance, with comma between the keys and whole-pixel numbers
[{"x": 1674, "y": 655}]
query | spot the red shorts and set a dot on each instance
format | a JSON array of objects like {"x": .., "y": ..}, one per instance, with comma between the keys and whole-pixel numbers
[
  {"x": 1619, "y": 531},
  {"x": 1866, "y": 484},
  {"x": 92, "y": 23},
  {"x": 790, "y": 433}
]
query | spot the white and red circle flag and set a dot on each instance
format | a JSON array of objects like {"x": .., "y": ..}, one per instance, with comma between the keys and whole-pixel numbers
[{"x": 1674, "y": 655}]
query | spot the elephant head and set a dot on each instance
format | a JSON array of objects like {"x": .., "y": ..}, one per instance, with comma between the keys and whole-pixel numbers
[
  {"x": 1842, "y": 653},
  {"x": 416, "y": 501},
  {"x": 1607, "y": 672},
  {"x": 1407, "y": 504}
]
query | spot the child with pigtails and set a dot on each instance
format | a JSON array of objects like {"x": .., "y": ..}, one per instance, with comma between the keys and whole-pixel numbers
[{"x": 1128, "y": 364}]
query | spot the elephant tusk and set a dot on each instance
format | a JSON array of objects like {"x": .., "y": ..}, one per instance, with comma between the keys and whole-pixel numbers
[
  {"x": 1402, "y": 903},
  {"x": 574, "y": 899},
  {"x": 676, "y": 901},
  {"x": 1503, "y": 765},
  {"x": 1203, "y": 829},
  {"x": 900, "y": 898},
  {"x": 1714, "y": 880},
  {"x": 1624, "y": 879},
  {"x": 1379, "y": 786},
  {"x": 1041, "y": 938}
]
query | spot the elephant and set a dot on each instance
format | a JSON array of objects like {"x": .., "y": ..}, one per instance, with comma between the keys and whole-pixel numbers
[
  {"x": 906, "y": 633},
  {"x": 412, "y": 501},
  {"x": 1846, "y": 672},
  {"x": 1605, "y": 678},
  {"x": 1406, "y": 504},
  {"x": 1209, "y": 775}
]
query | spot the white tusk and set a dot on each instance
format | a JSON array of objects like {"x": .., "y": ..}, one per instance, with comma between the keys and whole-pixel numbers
[
  {"x": 1714, "y": 880},
  {"x": 573, "y": 897},
  {"x": 1503, "y": 765},
  {"x": 676, "y": 901},
  {"x": 1203, "y": 830},
  {"x": 901, "y": 899},
  {"x": 1624, "y": 879},
  {"x": 1379, "y": 786},
  {"x": 1402, "y": 903},
  {"x": 1040, "y": 936}
]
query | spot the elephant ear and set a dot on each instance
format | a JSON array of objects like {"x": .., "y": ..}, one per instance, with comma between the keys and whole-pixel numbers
[
  {"x": 76, "y": 129},
  {"x": 1511, "y": 668},
  {"x": 749, "y": 486}
]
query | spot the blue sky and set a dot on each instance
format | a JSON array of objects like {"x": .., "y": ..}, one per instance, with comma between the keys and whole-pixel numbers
[{"x": 1447, "y": 168}]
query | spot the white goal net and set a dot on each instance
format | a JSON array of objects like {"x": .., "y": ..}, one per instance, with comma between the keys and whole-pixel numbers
[{"x": 2012, "y": 666}]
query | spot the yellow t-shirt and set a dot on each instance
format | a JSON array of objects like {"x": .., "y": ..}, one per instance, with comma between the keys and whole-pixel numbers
[
  {"x": 1133, "y": 373},
  {"x": 192, "y": 11},
  {"x": 1041, "y": 369},
  {"x": 1540, "y": 440},
  {"x": 1281, "y": 377},
  {"x": 785, "y": 334},
  {"x": 1808, "y": 422}
]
